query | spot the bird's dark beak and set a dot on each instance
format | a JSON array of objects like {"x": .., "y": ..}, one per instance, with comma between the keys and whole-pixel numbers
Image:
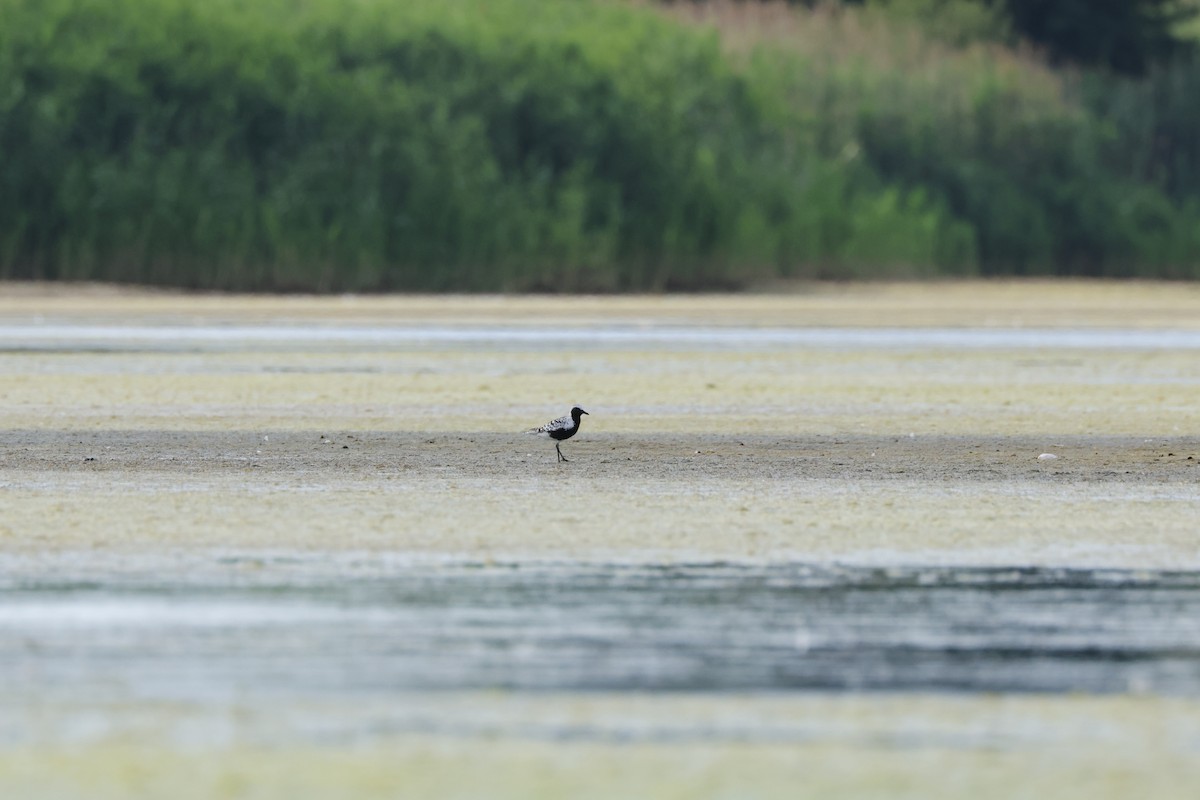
[{"x": 581, "y": 411}]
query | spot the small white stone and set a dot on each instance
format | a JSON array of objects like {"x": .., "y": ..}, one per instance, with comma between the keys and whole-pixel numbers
[{"x": 1047, "y": 457}]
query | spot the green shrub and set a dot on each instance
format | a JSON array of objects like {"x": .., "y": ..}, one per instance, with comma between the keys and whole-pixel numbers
[
  {"x": 1155, "y": 125},
  {"x": 1027, "y": 180}
]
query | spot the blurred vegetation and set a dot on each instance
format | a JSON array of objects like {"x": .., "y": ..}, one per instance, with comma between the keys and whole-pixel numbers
[
  {"x": 1125, "y": 36},
  {"x": 580, "y": 145}
]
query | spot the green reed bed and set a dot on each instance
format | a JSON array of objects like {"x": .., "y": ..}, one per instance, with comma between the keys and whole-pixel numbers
[{"x": 483, "y": 145}]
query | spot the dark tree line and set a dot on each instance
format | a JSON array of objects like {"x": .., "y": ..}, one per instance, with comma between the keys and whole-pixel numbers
[{"x": 1125, "y": 36}]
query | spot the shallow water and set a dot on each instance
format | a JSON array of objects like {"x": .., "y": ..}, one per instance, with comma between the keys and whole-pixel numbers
[
  {"x": 170, "y": 338},
  {"x": 258, "y": 628}
]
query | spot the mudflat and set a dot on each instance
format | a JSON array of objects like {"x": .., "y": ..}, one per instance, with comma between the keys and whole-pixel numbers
[
  {"x": 864, "y": 498},
  {"x": 151, "y": 437},
  {"x": 1025, "y": 423}
]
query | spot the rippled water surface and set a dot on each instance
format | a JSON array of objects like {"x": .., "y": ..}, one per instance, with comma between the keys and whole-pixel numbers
[{"x": 249, "y": 627}]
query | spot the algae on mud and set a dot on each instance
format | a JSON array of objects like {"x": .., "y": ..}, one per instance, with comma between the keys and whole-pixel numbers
[{"x": 873, "y": 746}]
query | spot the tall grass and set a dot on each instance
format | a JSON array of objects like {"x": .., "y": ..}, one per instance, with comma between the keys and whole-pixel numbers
[
  {"x": 368, "y": 145},
  {"x": 335, "y": 145}
]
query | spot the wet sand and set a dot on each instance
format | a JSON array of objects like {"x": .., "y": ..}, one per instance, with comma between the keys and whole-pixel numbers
[
  {"x": 992, "y": 304},
  {"x": 858, "y": 498},
  {"x": 121, "y": 456}
]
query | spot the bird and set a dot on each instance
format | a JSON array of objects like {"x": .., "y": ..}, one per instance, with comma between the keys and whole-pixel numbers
[{"x": 561, "y": 429}]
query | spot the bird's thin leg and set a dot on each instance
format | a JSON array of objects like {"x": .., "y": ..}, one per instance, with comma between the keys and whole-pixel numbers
[{"x": 561, "y": 457}]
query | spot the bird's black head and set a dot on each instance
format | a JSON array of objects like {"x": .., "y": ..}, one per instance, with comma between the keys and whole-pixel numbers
[{"x": 576, "y": 412}]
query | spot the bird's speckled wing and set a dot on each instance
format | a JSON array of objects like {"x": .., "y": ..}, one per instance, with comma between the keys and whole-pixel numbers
[{"x": 562, "y": 423}]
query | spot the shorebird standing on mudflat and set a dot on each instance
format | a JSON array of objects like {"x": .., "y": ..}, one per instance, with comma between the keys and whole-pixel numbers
[{"x": 561, "y": 429}]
